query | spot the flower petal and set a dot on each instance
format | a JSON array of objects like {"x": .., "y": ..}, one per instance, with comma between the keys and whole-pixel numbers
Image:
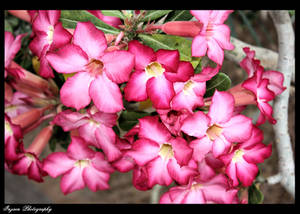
[
  {"x": 215, "y": 52},
  {"x": 196, "y": 124},
  {"x": 182, "y": 152},
  {"x": 199, "y": 46},
  {"x": 168, "y": 58},
  {"x": 180, "y": 174},
  {"x": 118, "y": 65},
  {"x": 91, "y": 40},
  {"x": 246, "y": 172},
  {"x": 70, "y": 120},
  {"x": 200, "y": 147},
  {"x": 106, "y": 94},
  {"x": 184, "y": 72},
  {"x": 158, "y": 172},
  {"x": 94, "y": 179},
  {"x": 79, "y": 150},
  {"x": 69, "y": 92},
  {"x": 72, "y": 181}
]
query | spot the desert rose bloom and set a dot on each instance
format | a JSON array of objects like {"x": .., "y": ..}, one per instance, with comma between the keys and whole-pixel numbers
[
  {"x": 80, "y": 166},
  {"x": 214, "y": 36},
  {"x": 94, "y": 127},
  {"x": 111, "y": 20},
  {"x": 218, "y": 129},
  {"x": 17, "y": 105},
  {"x": 165, "y": 157},
  {"x": 197, "y": 191},
  {"x": 98, "y": 72},
  {"x": 154, "y": 75},
  {"x": 11, "y": 46},
  {"x": 49, "y": 35},
  {"x": 241, "y": 162}
]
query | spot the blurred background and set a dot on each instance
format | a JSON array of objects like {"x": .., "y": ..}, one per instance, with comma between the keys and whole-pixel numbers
[{"x": 250, "y": 26}]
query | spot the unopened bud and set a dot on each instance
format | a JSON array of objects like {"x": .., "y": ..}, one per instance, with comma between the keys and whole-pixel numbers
[{"x": 182, "y": 28}]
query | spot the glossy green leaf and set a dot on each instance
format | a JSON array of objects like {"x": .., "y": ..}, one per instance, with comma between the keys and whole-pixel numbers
[
  {"x": 128, "y": 119},
  {"x": 154, "y": 14},
  {"x": 171, "y": 42},
  {"x": 220, "y": 81},
  {"x": 255, "y": 196},
  {"x": 179, "y": 15},
  {"x": 69, "y": 19},
  {"x": 115, "y": 13}
]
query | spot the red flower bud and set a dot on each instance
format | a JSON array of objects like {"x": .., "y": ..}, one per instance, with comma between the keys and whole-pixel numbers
[{"x": 182, "y": 28}]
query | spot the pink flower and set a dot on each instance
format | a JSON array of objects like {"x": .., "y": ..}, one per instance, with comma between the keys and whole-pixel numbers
[
  {"x": 154, "y": 75},
  {"x": 12, "y": 46},
  {"x": 111, "y": 20},
  {"x": 164, "y": 156},
  {"x": 241, "y": 162},
  {"x": 98, "y": 72},
  {"x": 218, "y": 129},
  {"x": 214, "y": 36},
  {"x": 80, "y": 166},
  {"x": 94, "y": 127},
  {"x": 49, "y": 35},
  {"x": 17, "y": 105},
  {"x": 215, "y": 190}
]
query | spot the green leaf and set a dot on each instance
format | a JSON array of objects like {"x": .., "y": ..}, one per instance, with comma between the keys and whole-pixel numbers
[
  {"x": 179, "y": 15},
  {"x": 7, "y": 26},
  {"x": 59, "y": 136},
  {"x": 220, "y": 81},
  {"x": 115, "y": 13},
  {"x": 128, "y": 119},
  {"x": 69, "y": 19},
  {"x": 171, "y": 42},
  {"x": 154, "y": 14},
  {"x": 255, "y": 196}
]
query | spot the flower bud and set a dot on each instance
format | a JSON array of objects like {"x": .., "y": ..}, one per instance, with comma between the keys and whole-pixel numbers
[
  {"x": 182, "y": 28},
  {"x": 242, "y": 96},
  {"x": 21, "y": 14}
]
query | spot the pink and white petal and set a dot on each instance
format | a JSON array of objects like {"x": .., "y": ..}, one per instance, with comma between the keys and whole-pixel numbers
[
  {"x": 57, "y": 163},
  {"x": 219, "y": 16},
  {"x": 60, "y": 36},
  {"x": 219, "y": 194},
  {"x": 184, "y": 72},
  {"x": 135, "y": 89},
  {"x": 94, "y": 179},
  {"x": 165, "y": 198},
  {"x": 221, "y": 115},
  {"x": 186, "y": 100},
  {"x": 143, "y": 150},
  {"x": 70, "y": 120},
  {"x": 199, "y": 46},
  {"x": 69, "y": 92},
  {"x": 158, "y": 172},
  {"x": 266, "y": 113},
  {"x": 108, "y": 119},
  {"x": 194, "y": 197},
  {"x": 168, "y": 58},
  {"x": 160, "y": 91},
  {"x": 221, "y": 33},
  {"x": 202, "y": 15},
  {"x": 220, "y": 146},
  {"x": 106, "y": 94},
  {"x": 12, "y": 46},
  {"x": 118, "y": 65},
  {"x": 201, "y": 147},
  {"x": 72, "y": 181},
  {"x": 45, "y": 70},
  {"x": 10, "y": 148},
  {"x": 231, "y": 171},
  {"x": 275, "y": 81},
  {"x": 53, "y": 16},
  {"x": 237, "y": 129},
  {"x": 87, "y": 132},
  {"x": 258, "y": 153},
  {"x": 143, "y": 54},
  {"x": 20, "y": 166},
  {"x": 196, "y": 124},
  {"x": 215, "y": 52},
  {"x": 206, "y": 172},
  {"x": 140, "y": 178},
  {"x": 100, "y": 163},
  {"x": 206, "y": 74},
  {"x": 257, "y": 136},
  {"x": 34, "y": 172},
  {"x": 182, "y": 151},
  {"x": 124, "y": 164},
  {"x": 180, "y": 174},
  {"x": 79, "y": 150},
  {"x": 263, "y": 93},
  {"x": 38, "y": 43},
  {"x": 251, "y": 85},
  {"x": 246, "y": 172},
  {"x": 91, "y": 40},
  {"x": 41, "y": 22},
  {"x": 106, "y": 139},
  {"x": 69, "y": 59},
  {"x": 152, "y": 129}
]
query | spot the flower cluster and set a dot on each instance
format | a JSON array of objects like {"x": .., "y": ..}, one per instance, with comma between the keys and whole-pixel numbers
[{"x": 204, "y": 145}]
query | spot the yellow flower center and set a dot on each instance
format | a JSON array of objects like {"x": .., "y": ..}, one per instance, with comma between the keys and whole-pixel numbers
[
  {"x": 8, "y": 128},
  {"x": 166, "y": 151},
  {"x": 213, "y": 132},
  {"x": 82, "y": 163},
  {"x": 154, "y": 69},
  {"x": 50, "y": 34},
  {"x": 188, "y": 86},
  {"x": 238, "y": 154},
  {"x": 95, "y": 67}
]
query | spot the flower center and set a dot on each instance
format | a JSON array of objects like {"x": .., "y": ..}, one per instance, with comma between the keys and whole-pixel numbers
[
  {"x": 50, "y": 34},
  {"x": 213, "y": 132},
  {"x": 196, "y": 186},
  {"x": 30, "y": 156},
  {"x": 238, "y": 154},
  {"x": 10, "y": 108},
  {"x": 188, "y": 86},
  {"x": 8, "y": 128},
  {"x": 166, "y": 151},
  {"x": 209, "y": 29},
  {"x": 82, "y": 163},
  {"x": 154, "y": 69},
  {"x": 95, "y": 67}
]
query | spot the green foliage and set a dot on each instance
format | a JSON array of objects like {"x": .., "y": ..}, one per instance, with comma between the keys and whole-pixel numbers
[
  {"x": 154, "y": 14},
  {"x": 255, "y": 196},
  {"x": 60, "y": 137},
  {"x": 128, "y": 119},
  {"x": 115, "y": 13},
  {"x": 220, "y": 81},
  {"x": 69, "y": 19},
  {"x": 179, "y": 15}
]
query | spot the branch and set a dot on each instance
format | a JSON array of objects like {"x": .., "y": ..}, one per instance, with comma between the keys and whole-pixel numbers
[{"x": 286, "y": 65}]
